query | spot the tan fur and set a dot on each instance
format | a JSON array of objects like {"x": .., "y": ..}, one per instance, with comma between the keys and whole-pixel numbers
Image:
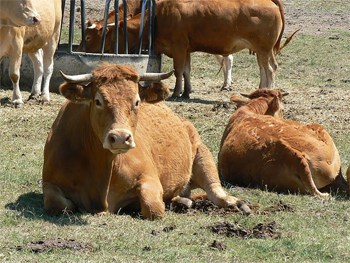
[
  {"x": 18, "y": 13},
  {"x": 258, "y": 149},
  {"x": 169, "y": 158}
]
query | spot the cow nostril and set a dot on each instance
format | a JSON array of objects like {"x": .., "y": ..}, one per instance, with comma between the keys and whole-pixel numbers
[
  {"x": 112, "y": 139},
  {"x": 35, "y": 20},
  {"x": 128, "y": 138}
]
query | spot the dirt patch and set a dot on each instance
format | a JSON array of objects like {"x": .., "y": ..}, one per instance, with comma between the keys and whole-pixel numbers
[
  {"x": 204, "y": 206},
  {"x": 261, "y": 230},
  {"x": 218, "y": 245},
  {"x": 58, "y": 243}
]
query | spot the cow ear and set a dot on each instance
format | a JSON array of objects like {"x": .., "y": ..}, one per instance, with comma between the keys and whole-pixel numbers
[
  {"x": 76, "y": 92},
  {"x": 155, "y": 92},
  {"x": 240, "y": 101},
  {"x": 274, "y": 105}
]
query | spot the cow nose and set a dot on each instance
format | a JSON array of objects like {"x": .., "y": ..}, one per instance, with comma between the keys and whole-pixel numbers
[
  {"x": 36, "y": 20},
  {"x": 120, "y": 140}
]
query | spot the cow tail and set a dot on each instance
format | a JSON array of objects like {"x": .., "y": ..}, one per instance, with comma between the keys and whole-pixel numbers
[{"x": 278, "y": 47}]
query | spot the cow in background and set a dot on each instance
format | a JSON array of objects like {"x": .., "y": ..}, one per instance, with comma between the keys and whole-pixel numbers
[
  {"x": 39, "y": 42},
  {"x": 18, "y": 13},
  {"x": 93, "y": 32},
  {"x": 259, "y": 148},
  {"x": 93, "y": 38},
  {"x": 217, "y": 27},
  {"x": 112, "y": 146}
]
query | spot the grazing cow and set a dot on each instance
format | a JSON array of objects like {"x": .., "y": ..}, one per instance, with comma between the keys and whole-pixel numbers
[
  {"x": 93, "y": 32},
  {"x": 18, "y": 13},
  {"x": 258, "y": 148},
  {"x": 217, "y": 27},
  {"x": 107, "y": 150},
  {"x": 39, "y": 42}
]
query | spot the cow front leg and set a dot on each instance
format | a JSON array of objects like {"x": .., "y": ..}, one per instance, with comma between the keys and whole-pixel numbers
[
  {"x": 205, "y": 176},
  {"x": 15, "y": 55},
  {"x": 37, "y": 61},
  {"x": 150, "y": 193},
  {"x": 54, "y": 200}
]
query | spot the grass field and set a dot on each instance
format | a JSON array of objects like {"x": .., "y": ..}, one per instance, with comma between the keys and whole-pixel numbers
[{"x": 314, "y": 68}]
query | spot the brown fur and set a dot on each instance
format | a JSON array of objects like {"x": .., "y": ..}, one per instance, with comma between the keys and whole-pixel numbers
[
  {"x": 217, "y": 27},
  {"x": 157, "y": 156},
  {"x": 258, "y": 149}
]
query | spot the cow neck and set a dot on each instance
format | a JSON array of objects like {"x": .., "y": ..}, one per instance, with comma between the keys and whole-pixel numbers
[{"x": 256, "y": 106}]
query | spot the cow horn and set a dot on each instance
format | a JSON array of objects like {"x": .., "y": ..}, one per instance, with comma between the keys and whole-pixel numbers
[
  {"x": 155, "y": 76},
  {"x": 245, "y": 95},
  {"x": 77, "y": 78},
  {"x": 285, "y": 94}
]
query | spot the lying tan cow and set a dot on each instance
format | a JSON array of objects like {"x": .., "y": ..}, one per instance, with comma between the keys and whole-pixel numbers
[
  {"x": 260, "y": 149},
  {"x": 18, "y": 13},
  {"x": 218, "y": 27},
  {"x": 109, "y": 149},
  {"x": 39, "y": 42}
]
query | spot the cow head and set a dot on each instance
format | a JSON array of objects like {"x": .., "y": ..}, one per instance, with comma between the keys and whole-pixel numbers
[
  {"x": 18, "y": 13},
  {"x": 93, "y": 37},
  {"x": 273, "y": 99},
  {"x": 112, "y": 97}
]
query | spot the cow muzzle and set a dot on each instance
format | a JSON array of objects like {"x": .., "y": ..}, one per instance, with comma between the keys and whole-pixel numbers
[{"x": 119, "y": 141}]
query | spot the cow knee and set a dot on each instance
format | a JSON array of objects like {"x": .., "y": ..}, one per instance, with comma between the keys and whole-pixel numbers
[
  {"x": 54, "y": 200},
  {"x": 153, "y": 210}
]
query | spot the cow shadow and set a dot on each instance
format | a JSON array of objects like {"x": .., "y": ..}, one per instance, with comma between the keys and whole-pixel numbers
[
  {"x": 31, "y": 206},
  {"x": 195, "y": 100}
]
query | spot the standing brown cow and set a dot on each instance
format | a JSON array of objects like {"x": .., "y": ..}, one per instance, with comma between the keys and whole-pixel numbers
[
  {"x": 217, "y": 27},
  {"x": 108, "y": 149},
  {"x": 258, "y": 148}
]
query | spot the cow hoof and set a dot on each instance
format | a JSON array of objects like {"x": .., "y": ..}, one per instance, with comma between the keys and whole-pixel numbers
[
  {"x": 178, "y": 200},
  {"x": 18, "y": 103},
  {"x": 45, "y": 98},
  {"x": 244, "y": 208},
  {"x": 185, "y": 95},
  {"x": 35, "y": 97},
  {"x": 226, "y": 88}
]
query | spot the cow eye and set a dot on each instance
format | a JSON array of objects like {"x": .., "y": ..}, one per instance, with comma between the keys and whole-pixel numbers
[
  {"x": 137, "y": 103},
  {"x": 98, "y": 103}
]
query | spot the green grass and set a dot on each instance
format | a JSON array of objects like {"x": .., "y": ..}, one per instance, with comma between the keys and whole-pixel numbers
[{"x": 314, "y": 68}]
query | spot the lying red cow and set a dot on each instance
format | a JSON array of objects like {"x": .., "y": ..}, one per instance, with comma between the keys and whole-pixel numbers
[
  {"x": 260, "y": 149},
  {"x": 109, "y": 149}
]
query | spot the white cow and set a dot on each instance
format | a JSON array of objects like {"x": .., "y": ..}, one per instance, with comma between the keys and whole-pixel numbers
[{"x": 39, "y": 42}]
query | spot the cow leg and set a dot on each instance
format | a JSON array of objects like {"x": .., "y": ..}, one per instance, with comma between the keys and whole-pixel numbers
[
  {"x": 267, "y": 74},
  {"x": 179, "y": 61},
  {"x": 54, "y": 200},
  {"x": 187, "y": 77},
  {"x": 15, "y": 55},
  {"x": 226, "y": 63},
  {"x": 150, "y": 193},
  {"x": 37, "y": 61},
  {"x": 49, "y": 51},
  {"x": 300, "y": 168},
  {"x": 205, "y": 176}
]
